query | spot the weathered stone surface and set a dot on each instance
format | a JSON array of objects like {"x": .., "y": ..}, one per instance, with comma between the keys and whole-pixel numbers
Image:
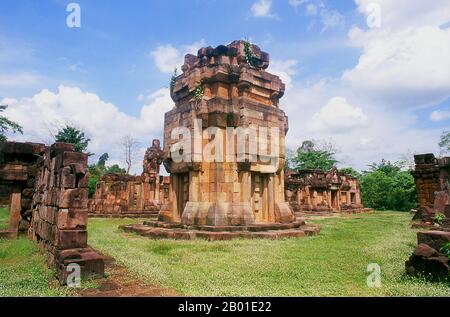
[
  {"x": 225, "y": 191},
  {"x": 435, "y": 239},
  {"x": 428, "y": 262}
]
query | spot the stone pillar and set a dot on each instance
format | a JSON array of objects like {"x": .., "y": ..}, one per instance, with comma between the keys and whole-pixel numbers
[{"x": 14, "y": 211}]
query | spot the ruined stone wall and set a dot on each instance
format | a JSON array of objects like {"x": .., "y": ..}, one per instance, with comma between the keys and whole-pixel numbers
[
  {"x": 121, "y": 194},
  {"x": 59, "y": 222},
  {"x": 432, "y": 178},
  {"x": 125, "y": 195},
  {"x": 312, "y": 190},
  {"x": 17, "y": 181}
]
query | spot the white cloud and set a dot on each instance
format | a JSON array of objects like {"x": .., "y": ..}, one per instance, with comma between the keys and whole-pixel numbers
[
  {"x": 167, "y": 57},
  {"x": 103, "y": 122},
  {"x": 261, "y": 9},
  {"x": 407, "y": 68},
  {"x": 439, "y": 115},
  {"x": 283, "y": 69},
  {"x": 400, "y": 14},
  {"x": 296, "y": 3},
  {"x": 338, "y": 116}
]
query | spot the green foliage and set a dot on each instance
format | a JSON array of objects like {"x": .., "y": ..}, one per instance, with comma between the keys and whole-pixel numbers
[
  {"x": 7, "y": 125},
  {"x": 446, "y": 249},
  {"x": 386, "y": 187},
  {"x": 312, "y": 156},
  {"x": 102, "y": 159},
  {"x": 198, "y": 91},
  {"x": 350, "y": 171},
  {"x": 173, "y": 79},
  {"x": 250, "y": 57},
  {"x": 4, "y": 218},
  {"x": 439, "y": 219},
  {"x": 444, "y": 143},
  {"x": 74, "y": 136}
]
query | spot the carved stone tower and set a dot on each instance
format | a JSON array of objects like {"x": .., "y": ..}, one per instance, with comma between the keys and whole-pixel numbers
[{"x": 226, "y": 87}]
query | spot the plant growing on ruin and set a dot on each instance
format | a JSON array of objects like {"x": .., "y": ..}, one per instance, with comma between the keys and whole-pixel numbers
[
  {"x": 173, "y": 79},
  {"x": 439, "y": 219},
  {"x": 444, "y": 143},
  {"x": 198, "y": 91},
  {"x": 250, "y": 57},
  {"x": 7, "y": 125},
  {"x": 445, "y": 250}
]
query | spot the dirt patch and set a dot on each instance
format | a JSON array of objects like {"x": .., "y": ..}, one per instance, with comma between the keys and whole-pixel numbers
[{"x": 120, "y": 283}]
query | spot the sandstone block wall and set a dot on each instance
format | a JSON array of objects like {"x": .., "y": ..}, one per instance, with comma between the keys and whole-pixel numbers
[
  {"x": 432, "y": 178},
  {"x": 59, "y": 222}
]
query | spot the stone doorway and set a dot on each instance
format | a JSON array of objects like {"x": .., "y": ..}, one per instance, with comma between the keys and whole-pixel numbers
[
  {"x": 182, "y": 186},
  {"x": 334, "y": 200}
]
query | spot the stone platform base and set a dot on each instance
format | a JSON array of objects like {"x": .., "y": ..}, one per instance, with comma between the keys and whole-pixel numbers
[
  {"x": 153, "y": 215},
  {"x": 163, "y": 230},
  {"x": 325, "y": 214}
]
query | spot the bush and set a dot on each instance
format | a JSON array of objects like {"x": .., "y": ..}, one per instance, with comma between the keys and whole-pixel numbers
[
  {"x": 439, "y": 219},
  {"x": 387, "y": 187}
]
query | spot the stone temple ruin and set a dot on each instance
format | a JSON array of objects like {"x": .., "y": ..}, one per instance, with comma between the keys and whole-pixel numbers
[
  {"x": 227, "y": 198},
  {"x": 48, "y": 200},
  {"x": 317, "y": 191},
  {"x": 432, "y": 177},
  {"x": 133, "y": 196}
]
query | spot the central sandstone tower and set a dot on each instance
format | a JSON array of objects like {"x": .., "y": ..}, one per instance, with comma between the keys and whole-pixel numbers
[{"x": 226, "y": 87}]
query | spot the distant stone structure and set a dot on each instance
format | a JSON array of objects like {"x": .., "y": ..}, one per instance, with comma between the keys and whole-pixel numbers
[
  {"x": 49, "y": 196},
  {"x": 313, "y": 190},
  {"x": 129, "y": 196},
  {"x": 220, "y": 88}
]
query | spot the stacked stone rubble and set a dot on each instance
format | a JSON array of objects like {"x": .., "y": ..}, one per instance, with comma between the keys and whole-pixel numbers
[
  {"x": 59, "y": 222},
  {"x": 428, "y": 259}
]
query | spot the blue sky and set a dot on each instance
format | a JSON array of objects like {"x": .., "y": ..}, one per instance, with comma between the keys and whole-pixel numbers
[{"x": 375, "y": 92}]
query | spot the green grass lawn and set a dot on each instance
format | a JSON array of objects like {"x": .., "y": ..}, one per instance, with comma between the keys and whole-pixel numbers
[
  {"x": 23, "y": 271},
  {"x": 331, "y": 264},
  {"x": 4, "y": 218}
]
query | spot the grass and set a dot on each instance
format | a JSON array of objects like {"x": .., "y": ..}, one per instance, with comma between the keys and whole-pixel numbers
[
  {"x": 4, "y": 218},
  {"x": 23, "y": 271},
  {"x": 331, "y": 264}
]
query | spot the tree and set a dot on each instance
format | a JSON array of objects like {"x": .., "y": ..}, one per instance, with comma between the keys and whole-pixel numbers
[
  {"x": 130, "y": 147},
  {"x": 312, "y": 155},
  {"x": 102, "y": 159},
  {"x": 350, "y": 171},
  {"x": 387, "y": 187},
  {"x": 7, "y": 125},
  {"x": 444, "y": 143},
  {"x": 74, "y": 136}
]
